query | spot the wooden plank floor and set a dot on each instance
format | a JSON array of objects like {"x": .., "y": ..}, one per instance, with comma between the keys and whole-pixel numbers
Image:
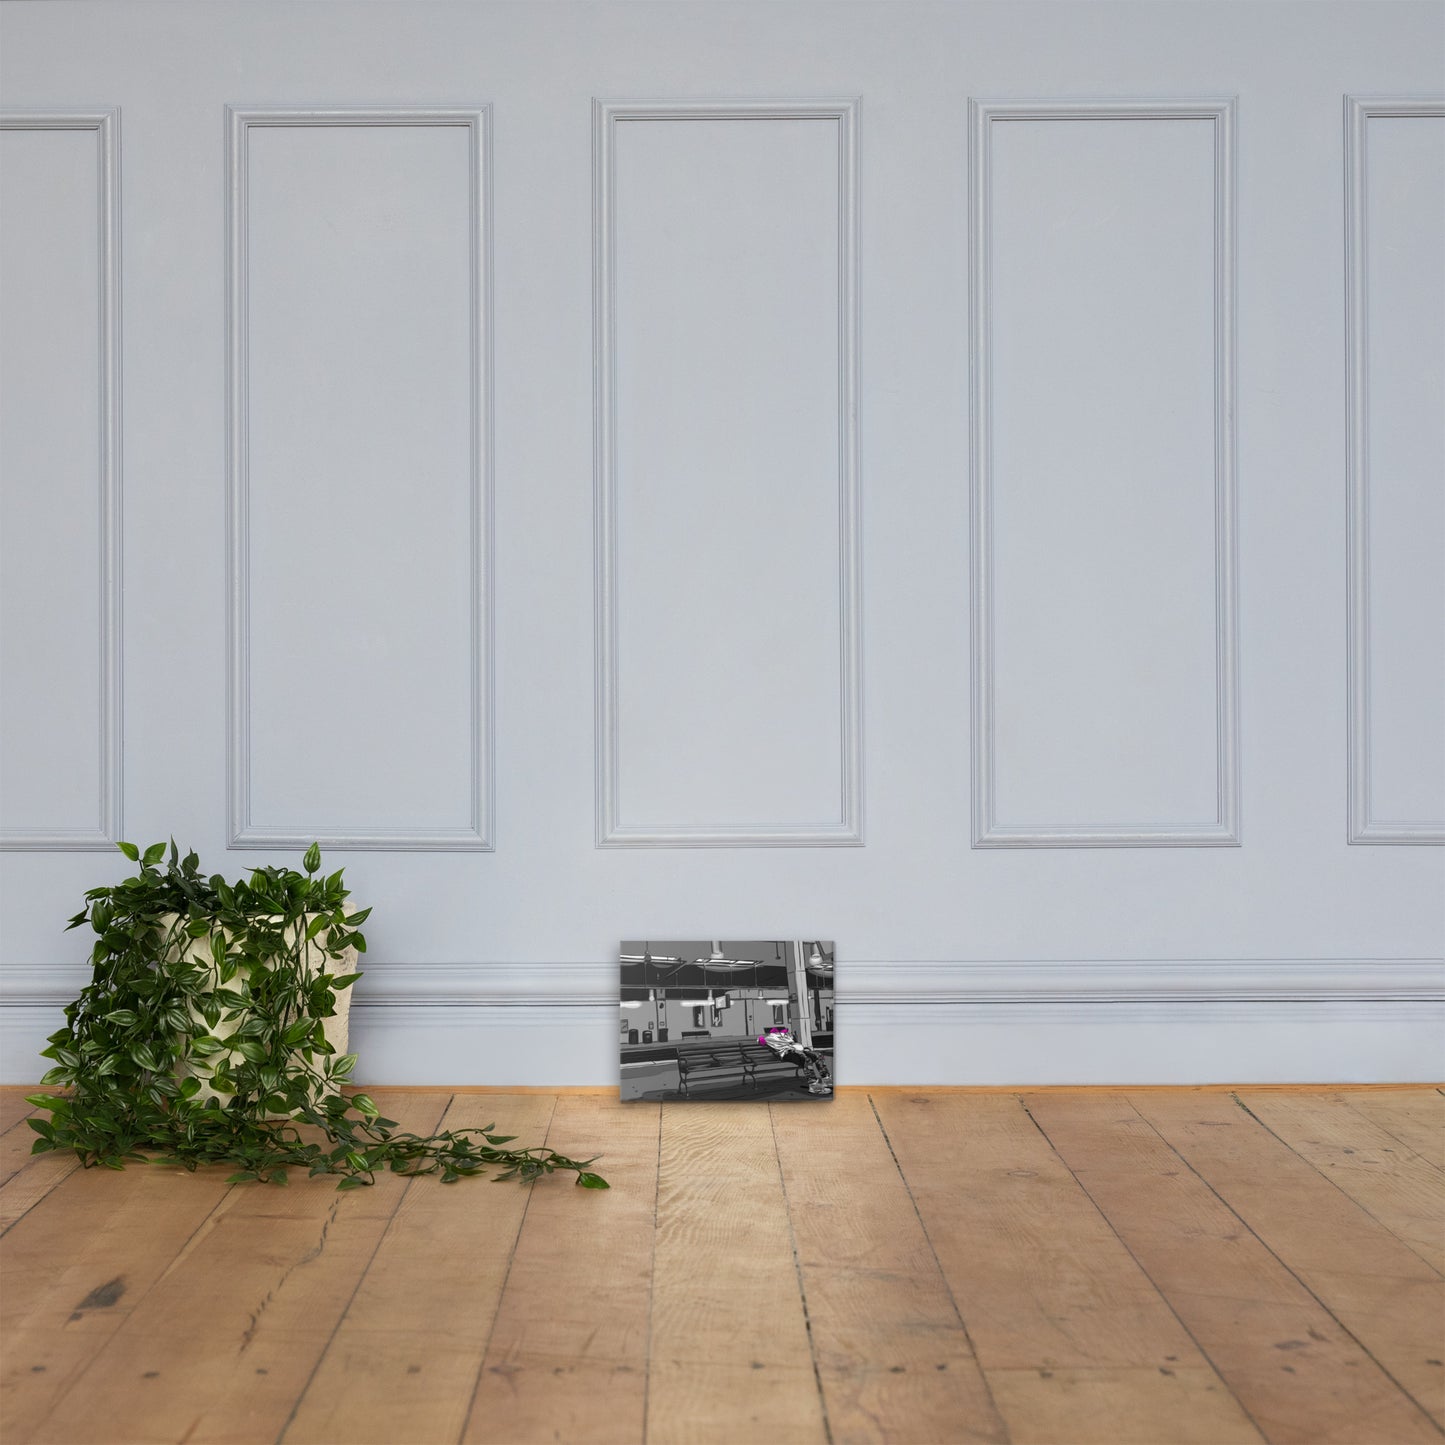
[{"x": 1051, "y": 1267}]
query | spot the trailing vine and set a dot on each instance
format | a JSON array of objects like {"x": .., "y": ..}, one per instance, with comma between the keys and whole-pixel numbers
[{"x": 201, "y": 1038}]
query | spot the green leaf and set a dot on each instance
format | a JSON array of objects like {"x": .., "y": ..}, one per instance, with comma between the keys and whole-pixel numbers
[
  {"x": 592, "y": 1181},
  {"x": 130, "y": 850},
  {"x": 145, "y": 1078},
  {"x": 312, "y": 860}
]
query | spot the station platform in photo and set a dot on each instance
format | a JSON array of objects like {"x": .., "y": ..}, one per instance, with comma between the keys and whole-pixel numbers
[{"x": 717, "y": 1068}]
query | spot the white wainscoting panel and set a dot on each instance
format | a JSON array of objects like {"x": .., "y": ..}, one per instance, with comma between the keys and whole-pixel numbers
[
  {"x": 728, "y": 626},
  {"x": 1103, "y": 474},
  {"x": 360, "y": 479},
  {"x": 1395, "y": 286},
  {"x": 60, "y": 533}
]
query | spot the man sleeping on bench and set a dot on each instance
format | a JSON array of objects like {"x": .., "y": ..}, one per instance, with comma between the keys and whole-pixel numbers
[{"x": 785, "y": 1046}]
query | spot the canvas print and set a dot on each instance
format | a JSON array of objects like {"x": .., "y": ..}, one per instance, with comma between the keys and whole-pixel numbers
[{"x": 727, "y": 1019}]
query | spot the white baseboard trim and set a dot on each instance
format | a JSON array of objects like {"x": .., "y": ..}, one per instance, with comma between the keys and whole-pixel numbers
[{"x": 1114, "y": 1021}]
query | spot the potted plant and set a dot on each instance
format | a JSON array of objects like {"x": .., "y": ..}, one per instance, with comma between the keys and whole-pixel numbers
[{"x": 214, "y": 1031}]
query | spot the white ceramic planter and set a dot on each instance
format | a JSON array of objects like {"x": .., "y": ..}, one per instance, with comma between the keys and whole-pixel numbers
[{"x": 314, "y": 957}]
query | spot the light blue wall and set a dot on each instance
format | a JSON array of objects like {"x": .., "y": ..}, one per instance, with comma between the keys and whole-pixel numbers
[{"x": 949, "y": 504}]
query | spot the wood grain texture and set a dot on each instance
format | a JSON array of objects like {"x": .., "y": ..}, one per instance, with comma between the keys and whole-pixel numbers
[
  {"x": 404, "y": 1358},
  {"x": 13, "y": 1108},
  {"x": 1060, "y": 1268},
  {"x": 1121, "y": 1406},
  {"x": 730, "y": 1351},
  {"x": 76, "y": 1266},
  {"x": 1375, "y": 1169},
  {"x": 1040, "y": 1277},
  {"x": 568, "y": 1352},
  {"x": 1379, "y": 1290},
  {"x": 1416, "y": 1119},
  {"x": 26, "y": 1178},
  {"x": 15, "y": 1145},
  {"x": 227, "y": 1339},
  {"x": 1300, "y": 1376},
  {"x": 889, "y": 1338}
]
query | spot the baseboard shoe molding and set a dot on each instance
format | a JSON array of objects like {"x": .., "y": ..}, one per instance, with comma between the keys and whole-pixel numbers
[{"x": 1029, "y": 1022}]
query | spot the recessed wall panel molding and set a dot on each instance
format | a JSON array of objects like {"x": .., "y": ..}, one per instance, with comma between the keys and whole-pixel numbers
[
  {"x": 728, "y": 691},
  {"x": 60, "y": 463},
  {"x": 360, "y": 479},
  {"x": 1104, "y": 659},
  {"x": 1395, "y": 311}
]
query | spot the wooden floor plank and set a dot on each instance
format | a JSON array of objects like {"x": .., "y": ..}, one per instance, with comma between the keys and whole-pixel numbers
[
  {"x": 1300, "y": 1376},
  {"x": 890, "y": 1343},
  {"x": 25, "y": 1178},
  {"x": 1379, "y": 1289},
  {"x": 406, "y": 1353},
  {"x": 568, "y": 1351},
  {"x": 224, "y": 1343},
  {"x": 730, "y": 1349},
  {"x": 16, "y": 1143},
  {"x": 1040, "y": 1278},
  {"x": 33, "y": 1178},
  {"x": 722, "y": 1403},
  {"x": 14, "y": 1109},
  {"x": 1379, "y": 1173},
  {"x": 1417, "y": 1119},
  {"x": 78, "y": 1264},
  {"x": 798, "y": 1275},
  {"x": 1120, "y": 1406}
]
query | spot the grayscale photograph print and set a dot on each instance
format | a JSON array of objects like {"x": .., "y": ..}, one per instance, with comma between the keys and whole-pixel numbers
[{"x": 721, "y": 1019}]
